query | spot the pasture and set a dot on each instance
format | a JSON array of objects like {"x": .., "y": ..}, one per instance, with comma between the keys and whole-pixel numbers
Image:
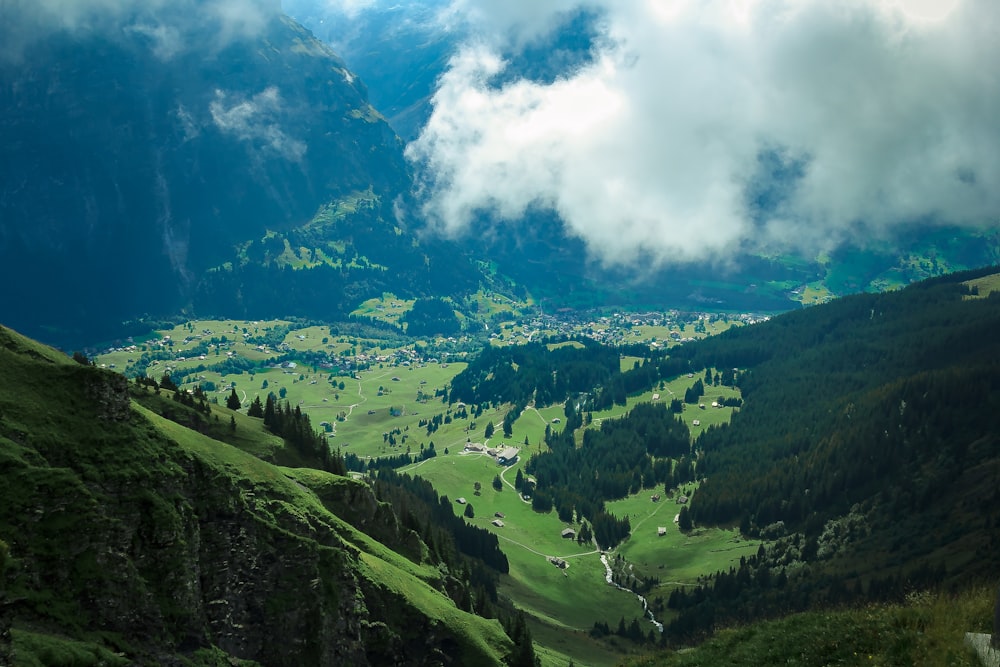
[
  {"x": 985, "y": 285},
  {"x": 676, "y": 558},
  {"x": 565, "y": 603}
]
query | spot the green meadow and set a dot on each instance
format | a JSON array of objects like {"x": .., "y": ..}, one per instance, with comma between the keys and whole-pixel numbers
[
  {"x": 563, "y": 603},
  {"x": 676, "y": 558}
]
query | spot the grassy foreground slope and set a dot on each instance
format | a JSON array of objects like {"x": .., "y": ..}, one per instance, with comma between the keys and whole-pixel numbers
[
  {"x": 926, "y": 631},
  {"x": 125, "y": 538}
]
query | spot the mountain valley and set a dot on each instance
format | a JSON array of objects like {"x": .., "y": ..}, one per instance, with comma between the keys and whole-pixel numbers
[{"x": 262, "y": 402}]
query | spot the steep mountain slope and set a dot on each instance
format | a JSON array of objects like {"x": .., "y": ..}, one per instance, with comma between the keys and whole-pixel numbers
[
  {"x": 136, "y": 158},
  {"x": 128, "y": 537},
  {"x": 399, "y": 51}
]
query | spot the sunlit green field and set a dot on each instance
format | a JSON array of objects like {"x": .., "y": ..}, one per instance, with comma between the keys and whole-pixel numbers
[
  {"x": 985, "y": 285},
  {"x": 567, "y": 601},
  {"x": 676, "y": 558}
]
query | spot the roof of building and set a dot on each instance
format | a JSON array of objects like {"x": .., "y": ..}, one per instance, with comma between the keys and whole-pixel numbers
[{"x": 508, "y": 453}]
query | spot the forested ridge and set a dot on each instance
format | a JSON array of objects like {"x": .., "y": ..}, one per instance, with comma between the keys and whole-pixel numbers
[
  {"x": 852, "y": 392},
  {"x": 553, "y": 370},
  {"x": 867, "y": 450}
]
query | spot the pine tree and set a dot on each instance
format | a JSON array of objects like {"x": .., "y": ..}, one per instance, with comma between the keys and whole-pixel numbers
[
  {"x": 524, "y": 650},
  {"x": 269, "y": 410},
  {"x": 256, "y": 409},
  {"x": 684, "y": 520},
  {"x": 233, "y": 402}
]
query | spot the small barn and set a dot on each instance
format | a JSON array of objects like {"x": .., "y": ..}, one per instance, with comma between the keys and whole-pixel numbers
[
  {"x": 682, "y": 499},
  {"x": 508, "y": 456},
  {"x": 661, "y": 530},
  {"x": 498, "y": 523},
  {"x": 568, "y": 533}
]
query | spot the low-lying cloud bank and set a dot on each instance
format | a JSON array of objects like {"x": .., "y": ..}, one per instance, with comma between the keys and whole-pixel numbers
[{"x": 705, "y": 127}]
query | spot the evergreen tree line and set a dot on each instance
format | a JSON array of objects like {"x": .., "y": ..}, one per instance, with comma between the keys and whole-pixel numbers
[
  {"x": 432, "y": 517},
  {"x": 545, "y": 376},
  {"x": 354, "y": 463},
  {"x": 760, "y": 588},
  {"x": 191, "y": 410},
  {"x": 294, "y": 427},
  {"x": 632, "y": 631}
]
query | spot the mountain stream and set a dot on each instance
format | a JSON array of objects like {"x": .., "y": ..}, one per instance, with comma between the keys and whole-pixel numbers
[{"x": 645, "y": 605}]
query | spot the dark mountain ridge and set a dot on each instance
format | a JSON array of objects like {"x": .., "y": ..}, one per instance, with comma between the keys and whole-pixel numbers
[{"x": 128, "y": 170}]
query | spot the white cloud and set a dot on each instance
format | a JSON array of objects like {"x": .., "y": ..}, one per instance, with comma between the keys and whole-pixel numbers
[
  {"x": 164, "y": 22},
  {"x": 658, "y": 144},
  {"x": 519, "y": 21},
  {"x": 254, "y": 120}
]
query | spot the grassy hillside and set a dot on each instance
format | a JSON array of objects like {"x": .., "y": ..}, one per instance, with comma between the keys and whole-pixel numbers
[
  {"x": 925, "y": 631},
  {"x": 128, "y": 538}
]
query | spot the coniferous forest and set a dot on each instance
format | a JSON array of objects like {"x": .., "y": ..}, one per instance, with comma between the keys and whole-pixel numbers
[{"x": 866, "y": 452}]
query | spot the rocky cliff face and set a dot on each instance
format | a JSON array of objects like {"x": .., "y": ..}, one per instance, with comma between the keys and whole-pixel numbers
[
  {"x": 138, "y": 150},
  {"x": 139, "y": 536}
]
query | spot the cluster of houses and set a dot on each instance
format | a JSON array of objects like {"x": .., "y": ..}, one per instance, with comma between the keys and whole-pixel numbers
[
  {"x": 616, "y": 328},
  {"x": 504, "y": 455}
]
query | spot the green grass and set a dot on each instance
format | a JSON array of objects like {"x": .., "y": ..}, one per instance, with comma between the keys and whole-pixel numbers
[
  {"x": 387, "y": 308},
  {"x": 927, "y": 631},
  {"x": 676, "y": 558},
  {"x": 478, "y": 636},
  {"x": 250, "y": 435},
  {"x": 35, "y": 649},
  {"x": 556, "y": 647},
  {"x": 573, "y": 598},
  {"x": 986, "y": 285}
]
